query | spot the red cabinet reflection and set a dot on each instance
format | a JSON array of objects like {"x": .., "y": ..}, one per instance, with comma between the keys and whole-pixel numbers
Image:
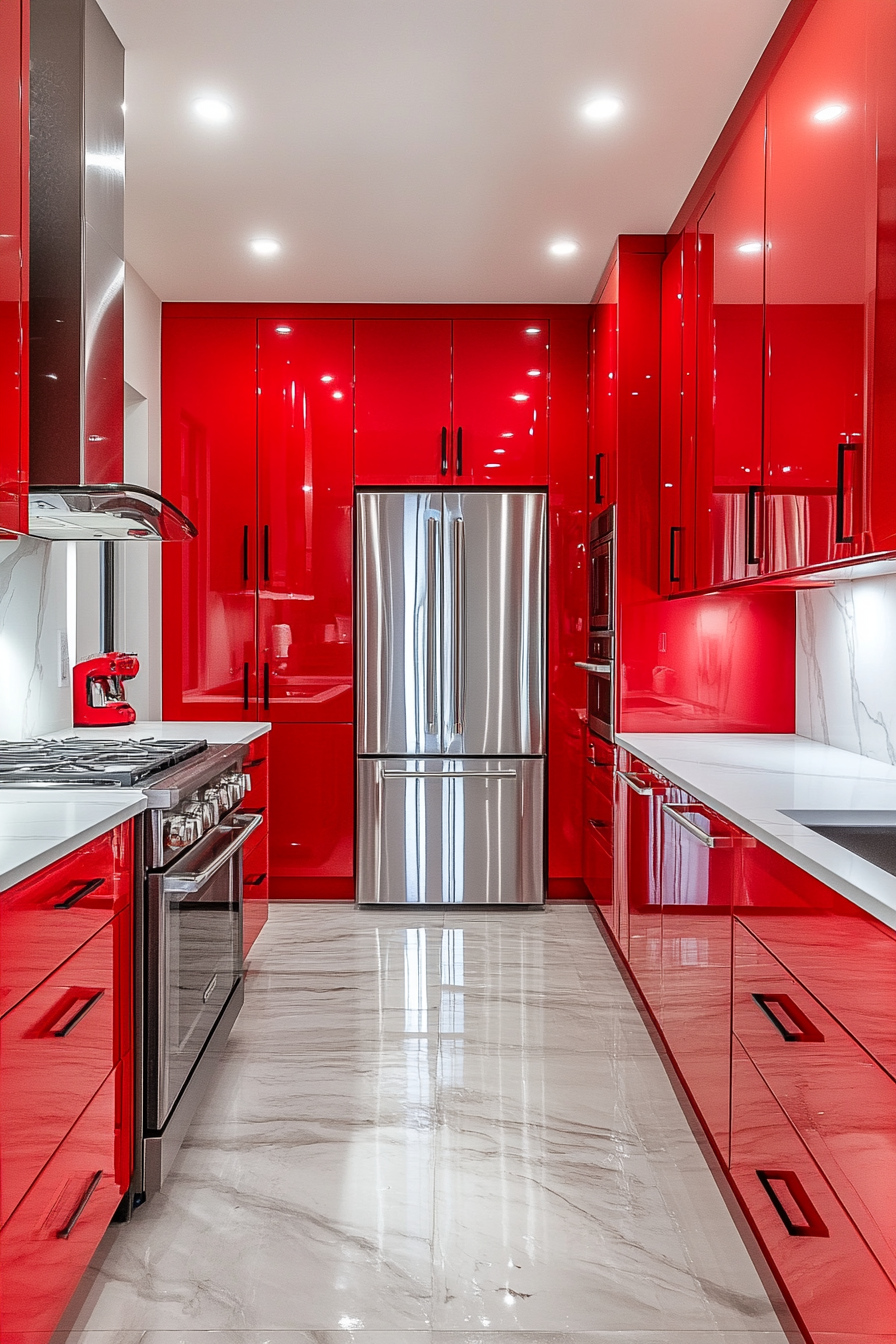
[
  {"x": 603, "y": 394},
  {"x": 13, "y": 254},
  {"x": 500, "y": 402},
  {"x": 312, "y": 789},
  {"x": 304, "y": 561},
  {"x": 208, "y": 470},
  {"x": 402, "y": 401},
  {"x": 637, "y": 874}
]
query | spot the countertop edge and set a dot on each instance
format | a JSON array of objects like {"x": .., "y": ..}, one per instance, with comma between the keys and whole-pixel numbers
[
  {"x": 57, "y": 847},
  {"x": 865, "y": 900}
]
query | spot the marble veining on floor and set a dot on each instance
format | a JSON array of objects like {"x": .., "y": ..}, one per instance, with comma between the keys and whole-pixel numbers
[{"x": 441, "y": 1126}]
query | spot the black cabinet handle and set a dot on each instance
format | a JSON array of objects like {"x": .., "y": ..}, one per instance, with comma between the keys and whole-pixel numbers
[
  {"x": 254, "y": 881},
  {"x": 813, "y": 1224},
  {"x": 245, "y": 686},
  {"x": 805, "y": 1030},
  {"x": 252, "y": 765},
  {"x": 267, "y": 685},
  {"x": 65, "y": 1232},
  {"x": 597, "y": 825},
  {"x": 842, "y": 450},
  {"x": 460, "y": 452},
  {"x": 79, "y": 895},
  {"x": 80, "y": 1015},
  {"x": 267, "y": 553},
  {"x": 598, "y": 484},
  {"x": 444, "y": 450},
  {"x": 752, "y": 495},
  {"x": 246, "y": 554},
  {"x": 673, "y": 533}
]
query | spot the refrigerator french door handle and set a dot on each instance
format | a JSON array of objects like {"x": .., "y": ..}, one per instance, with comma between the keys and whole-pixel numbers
[
  {"x": 460, "y": 652},
  {"x": 432, "y": 541},
  {"x": 449, "y": 774}
]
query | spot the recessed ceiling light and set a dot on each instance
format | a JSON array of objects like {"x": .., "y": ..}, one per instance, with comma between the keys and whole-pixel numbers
[
  {"x": 830, "y": 112},
  {"x": 602, "y": 109},
  {"x": 265, "y": 247},
  {"x": 213, "y": 110},
  {"x": 748, "y": 248},
  {"x": 563, "y": 247}
]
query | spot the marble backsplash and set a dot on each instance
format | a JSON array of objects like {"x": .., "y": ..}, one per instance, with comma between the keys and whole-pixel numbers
[
  {"x": 36, "y": 617},
  {"x": 846, "y": 666}
]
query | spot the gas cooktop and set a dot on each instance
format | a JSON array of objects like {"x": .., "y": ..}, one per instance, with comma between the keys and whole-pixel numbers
[{"x": 89, "y": 763}]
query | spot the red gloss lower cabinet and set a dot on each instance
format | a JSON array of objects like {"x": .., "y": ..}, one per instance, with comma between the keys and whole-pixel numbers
[
  {"x": 312, "y": 778},
  {"x": 637, "y": 876},
  {"x": 598, "y": 822},
  {"x": 255, "y": 892}
]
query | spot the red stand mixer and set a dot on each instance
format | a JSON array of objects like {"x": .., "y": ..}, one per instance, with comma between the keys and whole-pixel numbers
[{"x": 98, "y": 695}]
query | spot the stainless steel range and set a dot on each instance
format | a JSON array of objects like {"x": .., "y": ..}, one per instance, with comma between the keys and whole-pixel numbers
[{"x": 188, "y": 926}]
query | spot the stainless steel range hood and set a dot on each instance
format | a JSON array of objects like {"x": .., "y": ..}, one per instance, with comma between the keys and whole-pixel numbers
[{"x": 76, "y": 287}]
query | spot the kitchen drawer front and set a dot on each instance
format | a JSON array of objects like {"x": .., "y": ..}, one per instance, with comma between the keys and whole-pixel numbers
[
  {"x": 597, "y": 859},
  {"x": 39, "y": 1267},
  {"x": 256, "y": 767},
  {"x": 842, "y": 1103},
  {"x": 49, "y": 916},
  {"x": 56, "y": 1048},
  {"x": 834, "y": 1281},
  {"x": 255, "y": 892},
  {"x": 600, "y": 765}
]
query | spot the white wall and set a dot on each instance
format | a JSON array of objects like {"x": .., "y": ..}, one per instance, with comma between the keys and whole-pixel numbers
[
  {"x": 846, "y": 666},
  {"x": 36, "y": 627}
]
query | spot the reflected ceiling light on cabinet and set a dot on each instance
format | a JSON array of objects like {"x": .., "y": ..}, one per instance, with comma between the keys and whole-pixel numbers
[
  {"x": 213, "y": 110},
  {"x": 602, "y": 109},
  {"x": 830, "y": 112},
  {"x": 265, "y": 247},
  {"x": 563, "y": 247},
  {"x": 750, "y": 249}
]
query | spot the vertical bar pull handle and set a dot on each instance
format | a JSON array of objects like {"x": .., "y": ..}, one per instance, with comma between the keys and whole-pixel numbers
[
  {"x": 267, "y": 553},
  {"x": 785, "y": 1190},
  {"x": 674, "y": 572},
  {"x": 460, "y": 622},
  {"x": 267, "y": 686},
  {"x": 752, "y": 495},
  {"x": 245, "y": 686},
  {"x": 432, "y": 540},
  {"x": 598, "y": 483},
  {"x": 444, "y": 450},
  {"x": 65, "y": 1232},
  {"x": 246, "y": 554},
  {"x": 842, "y": 450},
  {"x": 460, "y": 452}
]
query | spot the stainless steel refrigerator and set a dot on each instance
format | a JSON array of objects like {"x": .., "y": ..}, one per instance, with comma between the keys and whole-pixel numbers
[{"x": 451, "y": 655}]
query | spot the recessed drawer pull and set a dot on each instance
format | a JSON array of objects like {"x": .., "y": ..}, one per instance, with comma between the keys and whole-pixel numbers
[
  {"x": 784, "y": 1188},
  {"x": 65, "y": 1232},
  {"x": 254, "y": 881},
  {"x": 79, "y": 895},
  {"x": 805, "y": 1030},
  {"x": 80, "y": 1014},
  {"x": 598, "y": 825}
]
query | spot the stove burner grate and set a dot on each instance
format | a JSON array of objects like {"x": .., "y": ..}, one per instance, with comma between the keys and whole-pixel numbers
[{"x": 89, "y": 762}]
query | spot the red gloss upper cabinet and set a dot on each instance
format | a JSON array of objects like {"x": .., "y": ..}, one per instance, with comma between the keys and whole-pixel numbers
[
  {"x": 729, "y": 328},
  {"x": 208, "y": 470},
  {"x": 305, "y": 520},
  {"x": 603, "y": 380},
  {"x": 13, "y": 136},
  {"x": 500, "y": 402},
  {"x": 402, "y": 401},
  {"x": 819, "y": 238}
]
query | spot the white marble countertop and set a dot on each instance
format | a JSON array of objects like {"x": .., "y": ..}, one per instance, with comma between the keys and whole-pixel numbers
[
  {"x": 39, "y": 826},
  {"x": 749, "y": 778},
  {"x": 213, "y": 731}
]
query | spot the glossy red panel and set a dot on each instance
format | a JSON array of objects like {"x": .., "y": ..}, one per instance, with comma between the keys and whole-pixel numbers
[
  {"x": 402, "y": 401},
  {"x": 819, "y": 269},
  {"x": 255, "y": 892},
  {"x": 56, "y": 1047},
  {"x": 305, "y": 520},
  {"x": 832, "y": 1279},
  {"x": 39, "y": 1268},
  {"x": 208, "y": 470},
  {"x": 602, "y": 396},
  {"x": 49, "y": 916},
  {"x": 312, "y": 816},
  {"x": 671, "y": 530},
  {"x": 637, "y": 881},
  {"x": 13, "y": 251},
  {"x": 730, "y": 250},
  {"x": 500, "y": 402}
]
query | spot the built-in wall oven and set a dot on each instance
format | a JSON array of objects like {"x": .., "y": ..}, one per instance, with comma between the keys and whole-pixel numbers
[{"x": 601, "y": 664}]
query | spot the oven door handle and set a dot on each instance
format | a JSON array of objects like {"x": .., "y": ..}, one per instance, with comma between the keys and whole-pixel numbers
[
  {"x": 602, "y": 668},
  {"x": 187, "y": 882}
]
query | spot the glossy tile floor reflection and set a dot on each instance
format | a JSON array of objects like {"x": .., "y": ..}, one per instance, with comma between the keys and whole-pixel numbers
[{"x": 433, "y": 1126}]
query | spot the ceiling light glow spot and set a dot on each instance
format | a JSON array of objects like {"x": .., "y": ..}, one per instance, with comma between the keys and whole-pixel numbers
[
  {"x": 830, "y": 112},
  {"x": 534, "y": 373},
  {"x": 265, "y": 247},
  {"x": 213, "y": 110},
  {"x": 602, "y": 109},
  {"x": 520, "y": 396},
  {"x": 337, "y": 396},
  {"x": 327, "y": 378},
  {"x": 283, "y": 331},
  {"x": 533, "y": 331},
  {"x": 749, "y": 249},
  {"x": 563, "y": 247}
]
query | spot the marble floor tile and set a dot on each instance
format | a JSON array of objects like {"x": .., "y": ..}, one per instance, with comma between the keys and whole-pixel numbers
[{"x": 447, "y": 1126}]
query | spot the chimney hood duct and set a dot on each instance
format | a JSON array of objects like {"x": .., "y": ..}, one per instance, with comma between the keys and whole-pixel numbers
[{"x": 76, "y": 287}]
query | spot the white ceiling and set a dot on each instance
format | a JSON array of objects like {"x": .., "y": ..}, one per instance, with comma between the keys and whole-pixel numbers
[{"x": 416, "y": 150}]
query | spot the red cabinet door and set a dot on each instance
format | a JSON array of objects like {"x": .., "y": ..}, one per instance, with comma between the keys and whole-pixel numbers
[
  {"x": 402, "y": 401},
  {"x": 255, "y": 892},
  {"x": 603, "y": 368},
  {"x": 312, "y": 814},
  {"x": 47, "y": 1244},
  {"x": 13, "y": 251},
  {"x": 500, "y": 371},
  {"x": 208, "y": 470},
  {"x": 305, "y": 520},
  {"x": 598, "y": 824},
  {"x": 672, "y": 536},
  {"x": 818, "y": 271},
  {"x": 730, "y": 249},
  {"x": 637, "y": 874}
]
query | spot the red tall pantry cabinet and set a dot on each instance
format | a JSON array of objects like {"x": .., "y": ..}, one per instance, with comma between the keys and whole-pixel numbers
[{"x": 13, "y": 252}]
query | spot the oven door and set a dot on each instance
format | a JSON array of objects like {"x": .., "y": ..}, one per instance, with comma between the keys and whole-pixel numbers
[
  {"x": 601, "y": 699},
  {"x": 601, "y": 590},
  {"x": 195, "y": 956}
]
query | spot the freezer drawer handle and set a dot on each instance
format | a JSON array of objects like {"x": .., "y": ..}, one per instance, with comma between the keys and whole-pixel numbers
[
  {"x": 813, "y": 1226},
  {"x": 452, "y": 774},
  {"x": 676, "y": 812},
  {"x": 637, "y": 785},
  {"x": 192, "y": 881},
  {"x": 65, "y": 1232},
  {"x": 806, "y": 1031},
  {"x": 460, "y": 653},
  {"x": 80, "y": 1014},
  {"x": 79, "y": 895}
]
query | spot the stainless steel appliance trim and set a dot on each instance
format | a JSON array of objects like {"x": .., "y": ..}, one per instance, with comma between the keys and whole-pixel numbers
[
  {"x": 676, "y": 812},
  {"x": 170, "y": 788},
  {"x": 176, "y": 879},
  {"x": 451, "y": 774},
  {"x": 596, "y": 667},
  {"x": 460, "y": 627},
  {"x": 636, "y": 787},
  {"x": 432, "y": 649}
]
